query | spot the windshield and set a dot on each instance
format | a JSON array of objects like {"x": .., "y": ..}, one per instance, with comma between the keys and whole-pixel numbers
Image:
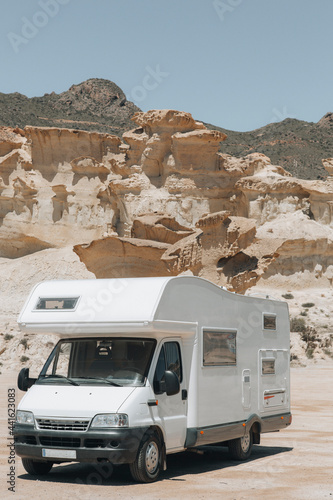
[{"x": 113, "y": 361}]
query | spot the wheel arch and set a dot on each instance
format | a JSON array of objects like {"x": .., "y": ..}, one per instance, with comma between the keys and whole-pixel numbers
[
  {"x": 155, "y": 429},
  {"x": 254, "y": 424},
  {"x": 159, "y": 432}
]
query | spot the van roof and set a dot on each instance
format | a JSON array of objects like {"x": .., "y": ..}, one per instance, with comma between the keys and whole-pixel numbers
[
  {"x": 93, "y": 300},
  {"x": 69, "y": 307}
]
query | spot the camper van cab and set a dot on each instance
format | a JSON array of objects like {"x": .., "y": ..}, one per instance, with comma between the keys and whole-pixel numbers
[{"x": 145, "y": 367}]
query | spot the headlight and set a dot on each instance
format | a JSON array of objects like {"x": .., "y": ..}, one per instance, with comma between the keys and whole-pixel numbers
[
  {"x": 25, "y": 417},
  {"x": 110, "y": 420}
]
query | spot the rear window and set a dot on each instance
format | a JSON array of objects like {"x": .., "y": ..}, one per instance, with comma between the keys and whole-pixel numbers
[
  {"x": 269, "y": 322},
  {"x": 54, "y": 303}
]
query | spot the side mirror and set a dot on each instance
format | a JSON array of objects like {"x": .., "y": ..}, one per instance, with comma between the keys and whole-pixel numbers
[
  {"x": 172, "y": 384},
  {"x": 23, "y": 381}
]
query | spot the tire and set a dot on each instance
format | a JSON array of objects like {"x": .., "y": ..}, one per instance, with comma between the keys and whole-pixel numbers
[
  {"x": 148, "y": 463},
  {"x": 240, "y": 448},
  {"x": 36, "y": 468}
]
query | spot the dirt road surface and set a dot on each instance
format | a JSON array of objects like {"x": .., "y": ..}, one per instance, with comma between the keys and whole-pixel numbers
[{"x": 296, "y": 463}]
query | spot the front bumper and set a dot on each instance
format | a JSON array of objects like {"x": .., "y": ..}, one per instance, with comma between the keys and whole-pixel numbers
[{"x": 117, "y": 446}]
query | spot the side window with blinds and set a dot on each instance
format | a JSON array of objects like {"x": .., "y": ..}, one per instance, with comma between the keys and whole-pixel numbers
[{"x": 219, "y": 348}]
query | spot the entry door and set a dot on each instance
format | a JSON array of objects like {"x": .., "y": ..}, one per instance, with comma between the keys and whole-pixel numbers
[
  {"x": 273, "y": 380},
  {"x": 172, "y": 410}
]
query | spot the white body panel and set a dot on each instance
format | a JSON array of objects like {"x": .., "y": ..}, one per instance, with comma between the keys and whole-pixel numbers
[{"x": 68, "y": 401}]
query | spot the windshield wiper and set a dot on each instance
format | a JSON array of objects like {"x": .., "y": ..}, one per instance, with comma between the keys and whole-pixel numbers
[
  {"x": 60, "y": 376},
  {"x": 101, "y": 378}
]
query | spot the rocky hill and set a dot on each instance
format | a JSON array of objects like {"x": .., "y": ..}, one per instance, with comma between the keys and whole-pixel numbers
[
  {"x": 95, "y": 104},
  {"x": 100, "y": 105},
  {"x": 296, "y": 145}
]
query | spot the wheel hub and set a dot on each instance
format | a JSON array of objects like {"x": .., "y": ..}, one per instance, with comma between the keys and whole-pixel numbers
[
  {"x": 152, "y": 457},
  {"x": 245, "y": 442}
]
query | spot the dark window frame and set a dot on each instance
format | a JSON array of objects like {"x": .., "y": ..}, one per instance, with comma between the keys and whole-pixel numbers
[
  {"x": 65, "y": 304},
  {"x": 268, "y": 317},
  {"x": 163, "y": 350},
  {"x": 267, "y": 360},
  {"x": 231, "y": 349}
]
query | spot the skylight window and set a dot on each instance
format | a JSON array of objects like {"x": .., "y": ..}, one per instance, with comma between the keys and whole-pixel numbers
[{"x": 55, "y": 303}]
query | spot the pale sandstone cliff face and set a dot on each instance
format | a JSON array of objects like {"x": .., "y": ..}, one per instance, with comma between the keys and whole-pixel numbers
[{"x": 163, "y": 201}]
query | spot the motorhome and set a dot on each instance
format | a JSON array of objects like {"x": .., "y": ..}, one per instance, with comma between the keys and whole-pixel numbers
[{"x": 146, "y": 367}]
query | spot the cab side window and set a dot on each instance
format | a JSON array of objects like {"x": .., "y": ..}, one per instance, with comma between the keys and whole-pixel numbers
[
  {"x": 173, "y": 361},
  {"x": 169, "y": 359}
]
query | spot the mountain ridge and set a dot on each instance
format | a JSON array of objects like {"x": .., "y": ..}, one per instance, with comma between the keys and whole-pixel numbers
[{"x": 101, "y": 105}]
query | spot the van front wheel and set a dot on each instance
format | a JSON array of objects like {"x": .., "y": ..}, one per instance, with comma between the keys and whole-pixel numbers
[
  {"x": 240, "y": 448},
  {"x": 36, "y": 468},
  {"x": 148, "y": 463}
]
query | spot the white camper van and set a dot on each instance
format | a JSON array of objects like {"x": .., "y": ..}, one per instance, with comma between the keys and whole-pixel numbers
[{"x": 146, "y": 367}]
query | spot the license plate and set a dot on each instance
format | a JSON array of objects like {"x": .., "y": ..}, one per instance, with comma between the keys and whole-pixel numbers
[{"x": 52, "y": 453}]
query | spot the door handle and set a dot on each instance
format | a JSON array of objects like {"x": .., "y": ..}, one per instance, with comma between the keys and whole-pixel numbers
[{"x": 184, "y": 394}]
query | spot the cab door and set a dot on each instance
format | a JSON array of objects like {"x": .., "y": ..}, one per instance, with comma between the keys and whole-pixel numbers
[{"x": 171, "y": 410}]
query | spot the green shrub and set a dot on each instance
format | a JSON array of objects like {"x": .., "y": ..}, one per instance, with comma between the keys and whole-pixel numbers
[
  {"x": 24, "y": 359},
  {"x": 304, "y": 313},
  {"x": 288, "y": 296},
  {"x": 297, "y": 325},
  {"x": 8, "y": 336},
  {"x": 308, "y": 304},
  {"x": 24, "y": 342},
  {"x": 309, "y": 335}
]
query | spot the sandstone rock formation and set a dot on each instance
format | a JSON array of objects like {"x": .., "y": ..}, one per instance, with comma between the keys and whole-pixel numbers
[{"x": 163, "y": 200}]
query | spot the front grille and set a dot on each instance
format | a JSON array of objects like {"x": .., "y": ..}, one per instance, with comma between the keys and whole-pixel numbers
[
  {"x": 62, "y": 442},
  {"x": 62, "y": 425}
]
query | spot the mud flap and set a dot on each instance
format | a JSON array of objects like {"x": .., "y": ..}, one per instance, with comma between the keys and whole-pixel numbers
[{"x": 164, "y": 464}]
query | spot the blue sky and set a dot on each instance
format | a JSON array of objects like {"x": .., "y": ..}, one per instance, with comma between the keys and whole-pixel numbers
[{"x": 238, "y": 64}]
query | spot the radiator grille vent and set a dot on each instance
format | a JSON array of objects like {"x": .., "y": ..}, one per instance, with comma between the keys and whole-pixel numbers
[{"x": 62, "y": 425}]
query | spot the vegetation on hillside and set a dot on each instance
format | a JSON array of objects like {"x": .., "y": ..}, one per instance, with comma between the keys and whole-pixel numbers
[
  {"x": 296, "y": 145},
  {"x": 100, "y": 105}
]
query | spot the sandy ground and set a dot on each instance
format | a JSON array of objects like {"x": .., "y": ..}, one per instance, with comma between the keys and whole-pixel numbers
[{"x": 296, "y": 463}]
